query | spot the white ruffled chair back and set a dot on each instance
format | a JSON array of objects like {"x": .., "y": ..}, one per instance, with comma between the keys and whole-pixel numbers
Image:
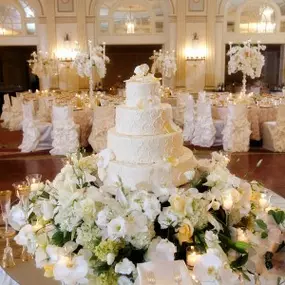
[
  {"x": 202, "y": 96},
  {"x": 6, "y": 111},
  {"x": 274, "y": 132},
  {"x": 179, "y": 109},
  {"x": 204, "y": 131},
  {"x": 31, "y": 134},
  {"x": 236, "y": 134},
  {"x": 189, "y": 119},
  {"x": 103, "y": 120},
  {"x": 15, "y": 121},
  {"x": 65, "y": 131}
]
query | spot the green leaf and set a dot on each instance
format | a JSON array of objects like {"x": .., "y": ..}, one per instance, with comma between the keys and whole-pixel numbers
[
  {"x": 60, "y": 238},
  {"x": 261, "y": 224},
  {"x": 240, "y": 262},
  {"x": 264, "y": 235},
  {"x": 245, "y": 276},
  {"x": 241, "y": 246},
  {"x": 279, "y": 216}
]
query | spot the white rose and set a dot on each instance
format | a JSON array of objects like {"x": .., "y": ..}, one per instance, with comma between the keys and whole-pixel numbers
[
  {"x": 124, "y": 280},
  {"x": 161, "y": 250},
  {"x": 17, "y": 217},
  {"x": 125, "y": 267}
]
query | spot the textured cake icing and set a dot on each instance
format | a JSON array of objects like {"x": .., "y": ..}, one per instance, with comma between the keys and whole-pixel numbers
[
  {"x": 143, "y": 122},
  {"x": 146, "y": 146},
  {"x": 145, "y": 149}
]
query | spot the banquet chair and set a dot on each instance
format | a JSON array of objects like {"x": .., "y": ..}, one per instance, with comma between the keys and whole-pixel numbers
[
  {"x": 6, "y": 111},
  {"x": 204, "y": 130},
  {"x": 236, "y": 134},
  {"x": 189, "y": 119},
  {"x": 103, "y": 120},
  {"x": 16, "y": 114},
  {"x": 44, "y": 111},
  {"x": 65, "y": 133},
  {"x": 274, "y": 132},
  {"x": 36, "y": 135},
  {"x": 179, "y": 110}
]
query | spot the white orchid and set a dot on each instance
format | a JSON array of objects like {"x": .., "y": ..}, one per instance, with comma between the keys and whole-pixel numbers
[
  {"x": 26, "y": 237},
  {"x": 17, "y": 217},
  {"x": 71, "y": 271}
]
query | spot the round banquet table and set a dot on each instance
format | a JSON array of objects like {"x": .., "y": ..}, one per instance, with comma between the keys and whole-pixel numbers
[
  {"x": 25, "y": 273},
  {"x": 257, "y": 115}
]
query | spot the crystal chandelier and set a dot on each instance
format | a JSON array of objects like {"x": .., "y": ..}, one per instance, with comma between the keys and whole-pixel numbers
[{"x": 130, "y": 23}]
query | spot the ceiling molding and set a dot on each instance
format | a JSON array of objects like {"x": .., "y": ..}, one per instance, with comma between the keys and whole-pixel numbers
[
  {"x": 63, "y": 20},
  {"x": 196, "y": 19}
]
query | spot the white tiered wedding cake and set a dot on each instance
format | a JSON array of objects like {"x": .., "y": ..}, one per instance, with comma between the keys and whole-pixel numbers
[{"x": 146, "y": 146}]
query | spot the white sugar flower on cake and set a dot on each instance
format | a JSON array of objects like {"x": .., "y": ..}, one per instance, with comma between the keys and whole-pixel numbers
[{"x": 142, "y": 74}]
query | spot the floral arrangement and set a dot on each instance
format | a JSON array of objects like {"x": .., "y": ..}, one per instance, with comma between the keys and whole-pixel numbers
[
  {"x": 246, "y": 58},
  {"x": 82, "y": 232},
  {"x": 164, "y": 62},
  {"x": 83, "y": 62},
  {"x": 43, "y": 65}
]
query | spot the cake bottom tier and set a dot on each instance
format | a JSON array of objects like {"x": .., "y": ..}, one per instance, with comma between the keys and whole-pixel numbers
[{"x": 156, "y": 174}]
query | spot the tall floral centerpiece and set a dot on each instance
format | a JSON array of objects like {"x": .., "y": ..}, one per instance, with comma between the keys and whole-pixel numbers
[
  {"x": 84, "y": 63},
  {"x": 165, "y": 63},
  {"x": 82, "y": 233},
  {"x": 248, "y": 59},
  {"x": 42, "y": 64}
]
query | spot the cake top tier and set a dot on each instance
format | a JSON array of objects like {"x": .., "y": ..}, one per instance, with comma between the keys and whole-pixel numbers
[{"x": 142, "y": 75}]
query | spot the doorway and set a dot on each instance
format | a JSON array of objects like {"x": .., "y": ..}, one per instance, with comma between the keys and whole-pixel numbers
[{"x": 124, "y": 59}]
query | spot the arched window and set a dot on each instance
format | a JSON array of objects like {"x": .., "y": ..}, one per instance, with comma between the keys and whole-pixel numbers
[
  {"x": 125, "y": 17},
  {"x": 17, "y": 20},
  {"x": 257, "y": 18},
  {"x": 10, "y": 21}
]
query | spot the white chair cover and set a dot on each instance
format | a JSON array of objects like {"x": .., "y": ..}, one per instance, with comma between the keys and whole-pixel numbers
[
  {"x": 236, "y": 134},
  {"x": 103, "y": 120},
  {"x": 204, "y": 132},
  {"x": 15, "y": 121},
  {"x": 31, "y": 134},
  {"x": 219, "y": 126},
  {"x": 36, "y": 135},
  {"x": 179, "y": 109},
  {"x": 6, "y": 111},
  {"x": 202, "y": 96},
  {"x": 65, "y": 131},
  {"x": 274, "y": 132},
  {"x": 189, "y": 119}
]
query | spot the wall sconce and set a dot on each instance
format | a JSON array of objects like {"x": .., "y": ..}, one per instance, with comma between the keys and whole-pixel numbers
[
  {"x": 196, "y": 52},
  {"x": 68, "y": 51}
]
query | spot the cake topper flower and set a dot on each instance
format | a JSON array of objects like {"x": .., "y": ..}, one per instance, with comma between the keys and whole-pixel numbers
[{"x": 141, "y": 70}]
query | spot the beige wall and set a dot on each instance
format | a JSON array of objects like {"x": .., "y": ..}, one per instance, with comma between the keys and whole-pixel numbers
[{"x": 180, "y": 24}]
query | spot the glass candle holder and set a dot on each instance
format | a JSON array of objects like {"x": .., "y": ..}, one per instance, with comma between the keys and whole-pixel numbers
[
  {"x": 34, "y": 180},
  {"x": 192, "y": 257},
  {"x": 5, "y": 206}
]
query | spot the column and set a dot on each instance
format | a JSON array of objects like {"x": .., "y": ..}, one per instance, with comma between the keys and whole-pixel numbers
[
  {"x": 181, "y": 42},
  {"x": 81, "y": 24},
  {"x": 81, "y": 36},
  {"x": 51, "y": 36},
  {"x": 211, "y": 44}
]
